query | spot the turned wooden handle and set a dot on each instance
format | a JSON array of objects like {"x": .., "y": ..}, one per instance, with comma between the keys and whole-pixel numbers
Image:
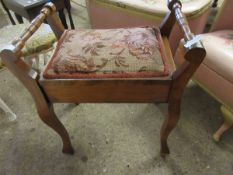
[
  {"x": 175, "y": 5},
  {"x": 48, "y": 9},
  {"x": 195, "y": 51}
]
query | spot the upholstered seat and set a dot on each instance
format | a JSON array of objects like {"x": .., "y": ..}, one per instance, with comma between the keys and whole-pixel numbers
[
  {"x": 221, "y": 45},
  {"x": 109, "y": 53}
]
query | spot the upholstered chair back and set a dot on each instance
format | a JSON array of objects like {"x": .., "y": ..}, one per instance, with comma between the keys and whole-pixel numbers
[{"x": 224, "y": 18}]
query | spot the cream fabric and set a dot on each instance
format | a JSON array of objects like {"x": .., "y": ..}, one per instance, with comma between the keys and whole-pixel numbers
[
  {"x": 219, "y": 47},
  {"x": 160, "y": 6}
]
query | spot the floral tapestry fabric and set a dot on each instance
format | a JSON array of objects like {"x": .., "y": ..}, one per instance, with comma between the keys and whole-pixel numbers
[{"x": 108, "y": 53}]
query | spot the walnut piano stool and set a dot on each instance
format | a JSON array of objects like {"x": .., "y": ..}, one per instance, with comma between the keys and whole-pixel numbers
[{"x": 70, "y": 77}]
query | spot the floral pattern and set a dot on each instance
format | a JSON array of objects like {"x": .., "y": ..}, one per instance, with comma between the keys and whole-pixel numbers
[{"x": 108, "y": 51}]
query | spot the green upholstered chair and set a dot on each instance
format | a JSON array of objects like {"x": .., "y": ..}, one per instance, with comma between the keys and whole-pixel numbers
[{"x": 41, "y": 43}]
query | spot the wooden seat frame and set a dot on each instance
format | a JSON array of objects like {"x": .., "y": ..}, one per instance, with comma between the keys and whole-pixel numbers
[{"x": 151, "y": 90}]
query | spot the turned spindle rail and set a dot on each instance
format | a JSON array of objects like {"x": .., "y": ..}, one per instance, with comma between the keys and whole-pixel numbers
[{"x": 34, "y": 25}]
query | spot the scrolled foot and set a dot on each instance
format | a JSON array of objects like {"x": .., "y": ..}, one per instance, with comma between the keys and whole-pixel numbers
[
  {"x": 227, "y": 124},
  {"x": 168, "y": 125},
  {"x": 217, "y": 136},
  {"x": 68, "y": 150},
  {"x": 164, "y": 151}
]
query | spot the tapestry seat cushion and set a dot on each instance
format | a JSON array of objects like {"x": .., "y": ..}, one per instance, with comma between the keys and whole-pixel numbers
[
  {"x": 219, "y": 47},
  {"x": 108, "y": 53}
]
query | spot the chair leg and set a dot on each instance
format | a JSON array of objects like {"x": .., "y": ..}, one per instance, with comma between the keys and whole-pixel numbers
[
  {"x": 8, "y": 13},
  {"x": 37, "y": 59},
  {"x": 169, "y": 124},
  {"x": 227, "y": 124},
  {"x": 45, "y": 58},
  {"x": 68, "y": 8},
  {"x": 63, "y": 18},
  {"x": 71, "y": 19},
  {"x": 19, "y": 18},
  {"x": 48, "y": 116}
]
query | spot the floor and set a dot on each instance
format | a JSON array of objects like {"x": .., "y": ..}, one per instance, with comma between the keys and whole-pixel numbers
[{"x": 111, "y": 139}]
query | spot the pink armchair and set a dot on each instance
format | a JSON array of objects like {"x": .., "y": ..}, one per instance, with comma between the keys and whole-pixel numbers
[{"x": 215, "y": 75}]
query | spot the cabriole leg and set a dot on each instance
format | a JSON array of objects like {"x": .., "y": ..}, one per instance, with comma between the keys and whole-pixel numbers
[
  {"x": 29, "y": 78},
  {"x": 48, "y": 116},
  {"x": 227, "y": 124},
  {"x": 169, "y": 124}
]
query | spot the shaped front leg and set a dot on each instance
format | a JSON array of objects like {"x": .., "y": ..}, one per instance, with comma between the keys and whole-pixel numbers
[
  {"x": 48, "y": 116},
  {"x": 169, "y": 124}
]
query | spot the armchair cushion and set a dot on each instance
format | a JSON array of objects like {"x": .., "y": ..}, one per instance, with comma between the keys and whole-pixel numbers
[
  {"x": 159, "y": 7},
  {"x": 219, "y": 47},
  {"x": 43, "y": 39},
  {"x": 109, "y": 53}
]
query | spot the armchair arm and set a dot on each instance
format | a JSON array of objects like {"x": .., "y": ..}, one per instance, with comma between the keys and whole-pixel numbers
[
  {"x": 223, "y": 19},
  {"x": 194, "y": 49}
]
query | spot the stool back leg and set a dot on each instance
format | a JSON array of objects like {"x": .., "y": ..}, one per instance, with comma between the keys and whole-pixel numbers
[
  {"x": 19, "y": 18},
  {"x": 71, "y": 19},
  {"x": 63, "y": 18},
  {"x": 8, "y": 13},
  {"x": 68, "y": 8}
]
